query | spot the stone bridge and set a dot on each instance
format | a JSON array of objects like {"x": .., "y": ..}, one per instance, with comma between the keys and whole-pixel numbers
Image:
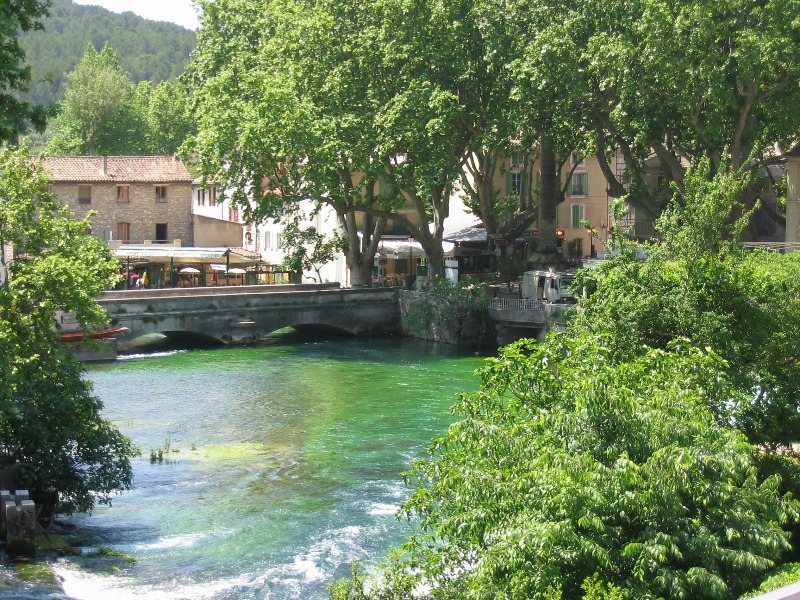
[{"x": 244, "y": 314}]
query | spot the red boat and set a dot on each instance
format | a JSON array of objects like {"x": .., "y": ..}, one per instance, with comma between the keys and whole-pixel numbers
[{"x": 77, "y": 336}]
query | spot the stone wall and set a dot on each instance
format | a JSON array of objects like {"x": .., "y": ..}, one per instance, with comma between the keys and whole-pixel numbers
[{"x": 141, "y": 210}]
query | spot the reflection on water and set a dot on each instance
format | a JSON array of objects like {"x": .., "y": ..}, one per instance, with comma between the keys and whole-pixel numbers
[{"x": 281, "y": 464}]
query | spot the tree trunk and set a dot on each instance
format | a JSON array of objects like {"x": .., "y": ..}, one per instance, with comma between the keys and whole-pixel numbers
[
  {"x": 360, "y": 251},
  {"x": 548, "y": 196}
]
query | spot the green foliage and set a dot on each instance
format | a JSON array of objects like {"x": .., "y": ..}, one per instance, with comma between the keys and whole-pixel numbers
[
  {"x": 50, "y": 424},
  {"x": 97, "y": 92},
  {"x": 784, "y": 575},
  {"x": 307, "y": 249},
  {"x": 568, "y": 466},
  {"x": 103, "y": 113},
  {"x": 445, "y": 308},
  {"x": 148, "y": 50},
  {"x": 16, "y": 115},
  {"x": 699, "y": 284}
]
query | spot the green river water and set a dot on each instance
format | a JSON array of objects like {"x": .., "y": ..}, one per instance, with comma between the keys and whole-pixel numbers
[{"x": 282, "y": 464}]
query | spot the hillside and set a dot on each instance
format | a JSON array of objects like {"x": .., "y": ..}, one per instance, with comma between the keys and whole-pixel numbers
[{"x": 149, "y": 50}]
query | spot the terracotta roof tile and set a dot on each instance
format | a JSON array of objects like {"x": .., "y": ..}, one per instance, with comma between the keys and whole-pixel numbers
[{"x": 119, "y": 169}]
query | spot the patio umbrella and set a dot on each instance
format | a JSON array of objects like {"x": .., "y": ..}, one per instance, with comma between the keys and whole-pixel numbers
[
  {"x": 237, "y": 271},
  {"x": 189, "y": 270}
]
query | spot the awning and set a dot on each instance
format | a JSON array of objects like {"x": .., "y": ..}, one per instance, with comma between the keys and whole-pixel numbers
[
  {"x": 467, "y": 228},
  {"x": 186, "y": 254},
  {"x": 400, "y": 249}
]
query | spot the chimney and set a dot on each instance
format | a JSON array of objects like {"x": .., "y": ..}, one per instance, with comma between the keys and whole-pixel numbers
[{"x": 105, "y": 164}]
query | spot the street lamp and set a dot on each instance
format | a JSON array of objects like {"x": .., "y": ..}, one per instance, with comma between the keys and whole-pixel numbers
[{"x": 592, "y": 232}]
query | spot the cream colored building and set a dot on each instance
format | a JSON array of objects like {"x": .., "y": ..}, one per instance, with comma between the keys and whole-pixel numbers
[{"x": 585, "y": 201}]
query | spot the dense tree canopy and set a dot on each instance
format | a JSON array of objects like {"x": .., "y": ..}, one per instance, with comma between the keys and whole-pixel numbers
[
  {"x": 51, "y": 431},
  {"x": 673, "y": 82},
  {"x": 701, "y": 285},
  {"x": 16, "y": 115},
  {"x": 104, "y": 113},
  {"x": 148, "y": 50},
  {"x": 284, "y": 115},
  {"x": 380, "y": 123},
  {"x": 570, "y": 469}
]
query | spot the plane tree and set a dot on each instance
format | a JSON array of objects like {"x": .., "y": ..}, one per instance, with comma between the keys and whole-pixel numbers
[
  {"x": 287, "y": 115},
  {"x": 672, "y": 82}
]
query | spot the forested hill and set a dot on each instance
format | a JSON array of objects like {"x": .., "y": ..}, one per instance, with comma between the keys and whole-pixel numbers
[{"x": 149, "y": 50}]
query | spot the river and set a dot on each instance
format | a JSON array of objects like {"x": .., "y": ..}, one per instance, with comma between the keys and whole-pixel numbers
[{"x": 281, "y": 464}]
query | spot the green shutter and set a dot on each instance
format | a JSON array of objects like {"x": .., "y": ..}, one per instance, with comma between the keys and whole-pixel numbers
[
  {"x": 585, "y": 184},
  {"x": 508, "y": 184}
]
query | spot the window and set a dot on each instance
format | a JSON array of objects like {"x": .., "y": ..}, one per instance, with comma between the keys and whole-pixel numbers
[
  {"x": 123, "y": 194},
  {"x": 577, "y": 215},
  {"x": 201, "y": 197},
  {"x": 233, "y": 214},
  {"x": 124, "y": 231},
  {"x": 84, "y": 194},
  {"x": 161, "y": 232},
  {"x": 580, "y": 184},
  {"x": 161, "y": 193},
  {"x": 212, "y": 195},
  {"x": 578, "y": 160},
  {"x": 517, "y": 159},
  {"x": 267, "y": 241},
  {"x": 516, "y": 184},
  {"x": 622, "y": 172}
]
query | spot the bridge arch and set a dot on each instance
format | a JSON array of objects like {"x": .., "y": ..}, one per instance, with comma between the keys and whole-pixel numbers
[{"x": 245, "y": 314}]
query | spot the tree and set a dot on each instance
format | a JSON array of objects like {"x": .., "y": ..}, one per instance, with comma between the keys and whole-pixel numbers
[
  {"x": 51, "y": 428},
  {"x": 281, "y": 122},
  {"x": 571, "y": 471},
  {"x": 700, "y": 284},
  {"x": 307, "y": 249},
  {"x": 104, "y": 113},
  {"x": 17, "y": 115},
  {"x": 168, "y": 118},
  {"x": 671, "y": 83},
  {"x": 91, "y": 118}
]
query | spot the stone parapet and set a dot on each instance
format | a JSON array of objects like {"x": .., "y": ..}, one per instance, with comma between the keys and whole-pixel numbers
[{"x": 18, "y": 522}]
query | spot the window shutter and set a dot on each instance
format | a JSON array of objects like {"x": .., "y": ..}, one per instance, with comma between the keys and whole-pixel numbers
[
  {"x": 585, "y": 184},
  {"x": 509, "y": 184},
  {"x": 523, "y": 184}
]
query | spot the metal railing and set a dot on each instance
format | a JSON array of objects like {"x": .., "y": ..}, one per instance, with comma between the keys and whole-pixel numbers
[
  {"x": 494, "y": 303},
  {"x": 516, "y": 304}
]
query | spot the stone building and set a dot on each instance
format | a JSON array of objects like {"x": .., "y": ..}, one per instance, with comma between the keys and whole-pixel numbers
[{"x": 138, "y": 199}]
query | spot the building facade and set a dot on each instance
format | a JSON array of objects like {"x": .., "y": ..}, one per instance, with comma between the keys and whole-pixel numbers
[
  {"x": 138, "y": 199},
  {"x": 582, "y": 219}
]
